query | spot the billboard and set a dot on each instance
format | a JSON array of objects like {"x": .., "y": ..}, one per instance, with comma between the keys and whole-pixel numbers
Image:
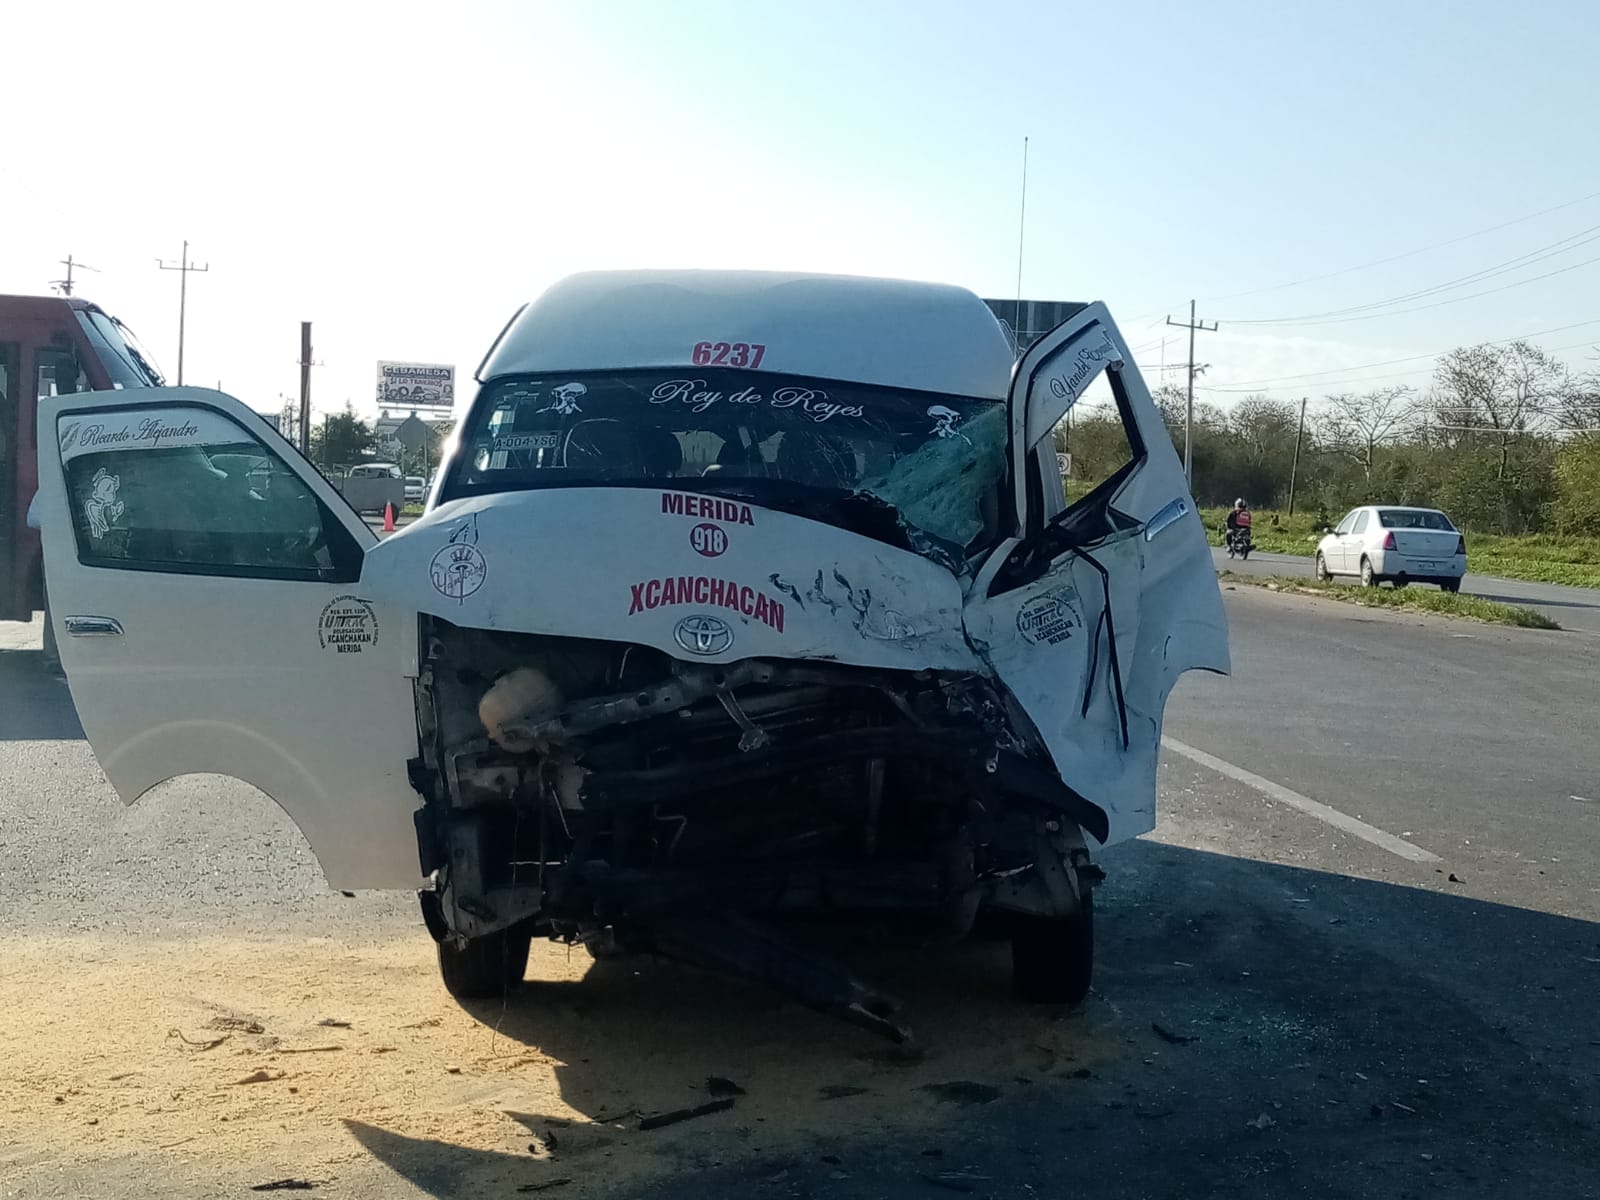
[
  {"x": 416, "y": 385},
  {"x": 1027, "y": 320}
]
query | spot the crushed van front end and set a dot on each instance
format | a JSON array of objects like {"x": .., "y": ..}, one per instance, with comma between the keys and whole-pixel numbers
[{"x": 611, "y": 794}]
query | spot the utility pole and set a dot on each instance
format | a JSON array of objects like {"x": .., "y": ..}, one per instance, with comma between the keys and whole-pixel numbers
[
  {"x": 65, "y": 285},
  {"x": 1188, "y": 415},
  {"x": 1294, "y": 463},
  {"x": 184, "y": 267},
  {"x": 305, "y": 388}
]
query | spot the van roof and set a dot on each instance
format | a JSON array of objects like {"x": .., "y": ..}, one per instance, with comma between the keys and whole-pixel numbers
[
  {"x": 894, "y": 333},
  {"x": 32, "y": 306}
]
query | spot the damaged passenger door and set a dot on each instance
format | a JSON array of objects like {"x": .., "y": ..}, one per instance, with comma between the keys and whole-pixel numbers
[
  {"x": 1089, "y": 612},
  {"x": 205, "y": 585}
]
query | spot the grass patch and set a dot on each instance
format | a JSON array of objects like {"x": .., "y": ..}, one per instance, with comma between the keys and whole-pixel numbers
[
  {"x": 411, "y": 510},
  {"x": 1534, "y": 557},
  {"x": 1447, "y": 604},
  {"x": 1540, "y": 557}
]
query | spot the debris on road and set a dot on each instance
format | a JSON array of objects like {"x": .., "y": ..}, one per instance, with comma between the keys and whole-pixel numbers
[
  {"x": 841, "y": 1091},
  {"x": 288, "y": 1185},
  {"x": 262, "y": 1076},
  {"x": 333, "y": 1023},
  {"x": 956, "y": 1181},
  {"x": 718, "y": 1086},
  {"x": 1166, "y": 1035},
  {"x": 210, "y": 1044},
  {"x": 235, "y": 1025},
  {"x": 1262, "y": 1122},
  {"x": 306, "y": 1049},
  {"x": 545, "y": 1185},
  {"x": 963, "y": 1092},
  {"x": 662, "y": 1120}
]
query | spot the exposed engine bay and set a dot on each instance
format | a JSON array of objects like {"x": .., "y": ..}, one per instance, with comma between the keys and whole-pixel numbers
[{"x": 609, "y": 794}]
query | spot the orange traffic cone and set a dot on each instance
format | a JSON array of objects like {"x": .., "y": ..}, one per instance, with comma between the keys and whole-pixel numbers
[{"x": 388, "y": 518}]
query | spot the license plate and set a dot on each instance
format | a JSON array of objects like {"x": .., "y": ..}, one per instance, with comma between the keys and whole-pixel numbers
[{"x": 1427, "y": 566}]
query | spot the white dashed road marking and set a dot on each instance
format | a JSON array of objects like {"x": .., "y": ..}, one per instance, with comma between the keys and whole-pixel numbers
[{"x": 1312, "y": 808}]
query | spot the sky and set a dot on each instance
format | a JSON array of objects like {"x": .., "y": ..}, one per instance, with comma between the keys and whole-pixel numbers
[{"x": 405, "y": 175}]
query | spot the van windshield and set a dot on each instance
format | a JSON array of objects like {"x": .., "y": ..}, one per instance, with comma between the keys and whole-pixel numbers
[
  {"x": 125, "y": 360},
  {"x": 913, "y": 468}
]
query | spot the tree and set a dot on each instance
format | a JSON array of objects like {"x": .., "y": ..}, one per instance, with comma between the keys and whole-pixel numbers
[
  {"x": 1577, "y": 504},
  {"x": 1355, "y": 426},
  {"x": 1580, "y": 407},
  {"x": 340, "y": 439},
  {"x": 1497, "y": 394},
  {"x": 1256, "y": 449},
  {"x": 1173, "y": 403},
  {"x": 1098, "y": 443}
]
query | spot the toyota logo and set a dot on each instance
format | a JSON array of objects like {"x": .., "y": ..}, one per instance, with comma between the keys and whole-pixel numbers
[{"x": 703, "y": 635}]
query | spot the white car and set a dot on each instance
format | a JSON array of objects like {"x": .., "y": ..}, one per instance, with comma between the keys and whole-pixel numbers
[
  {"x": 1393, "y": 542},
  {"x": 375, "y": 471},
  {"x": 416, "y": 489},
  {"x": 743, "y": 596}
]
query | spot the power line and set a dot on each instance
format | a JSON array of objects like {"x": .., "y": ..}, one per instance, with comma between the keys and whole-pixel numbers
[
  {"x": 1393, "y": 361},
  {"x": 1379, "y": 262},
  {"x": 1554, "y": 249},
  {"x": 1243, "y": 389},
  {"x": 1453, "y": 300}
]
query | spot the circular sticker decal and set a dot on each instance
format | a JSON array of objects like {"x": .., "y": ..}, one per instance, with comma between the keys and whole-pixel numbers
[
  {"x": 347, "y": 625},
  {"x": 457, "y": 571},
  {"x": 708, "y": 539},
  {"x": 1048, "y": 618}
]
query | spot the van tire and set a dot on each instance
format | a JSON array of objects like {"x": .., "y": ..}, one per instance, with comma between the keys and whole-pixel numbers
[
  {"x": 1052, "y": 958},
  {"x": 484, "y": 967}
]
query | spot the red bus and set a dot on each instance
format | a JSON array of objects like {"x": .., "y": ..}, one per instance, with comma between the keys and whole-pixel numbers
[{"x": 49, "y": 345}]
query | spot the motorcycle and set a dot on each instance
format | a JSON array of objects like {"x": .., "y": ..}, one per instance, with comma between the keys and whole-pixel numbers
[{"x": 1238, "y": 542}]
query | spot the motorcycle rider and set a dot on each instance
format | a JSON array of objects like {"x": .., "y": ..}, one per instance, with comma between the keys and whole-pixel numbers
[{"x": 1238, "y": 521}]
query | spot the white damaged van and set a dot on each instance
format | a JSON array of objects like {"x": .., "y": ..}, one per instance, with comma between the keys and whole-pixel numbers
[{"x": 742, "y": 598}]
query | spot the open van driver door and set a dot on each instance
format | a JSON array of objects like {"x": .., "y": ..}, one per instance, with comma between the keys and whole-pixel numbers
[
  {"x": 1113, "y": 595},
  {"x": 205, "y": 589}
]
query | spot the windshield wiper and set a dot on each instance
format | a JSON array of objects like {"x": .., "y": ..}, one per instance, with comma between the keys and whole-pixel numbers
[{"x": 150, "y": 373}]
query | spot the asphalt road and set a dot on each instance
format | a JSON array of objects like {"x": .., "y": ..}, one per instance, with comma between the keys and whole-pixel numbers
[
  {"x": 1573, "y": 608},
  {"x": 1288, "y": 1001}
]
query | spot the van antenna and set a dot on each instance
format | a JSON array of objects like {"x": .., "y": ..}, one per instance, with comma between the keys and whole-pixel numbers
[{"x": 1022, "y": 224}]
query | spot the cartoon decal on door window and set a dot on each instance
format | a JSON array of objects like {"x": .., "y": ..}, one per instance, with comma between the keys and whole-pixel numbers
[{"x": 102, "y": 507}]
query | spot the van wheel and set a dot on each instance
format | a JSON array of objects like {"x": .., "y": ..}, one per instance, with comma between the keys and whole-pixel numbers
[
  {"x": 484, "y": 967},
  {"x": 1052, "y": 958},
  {"x": 1450, "y": 585}
]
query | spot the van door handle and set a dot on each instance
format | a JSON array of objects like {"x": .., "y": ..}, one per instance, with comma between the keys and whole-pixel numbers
[
  {"x": 93, "y": 626},
  {"x": 1170, "y": 514}
]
